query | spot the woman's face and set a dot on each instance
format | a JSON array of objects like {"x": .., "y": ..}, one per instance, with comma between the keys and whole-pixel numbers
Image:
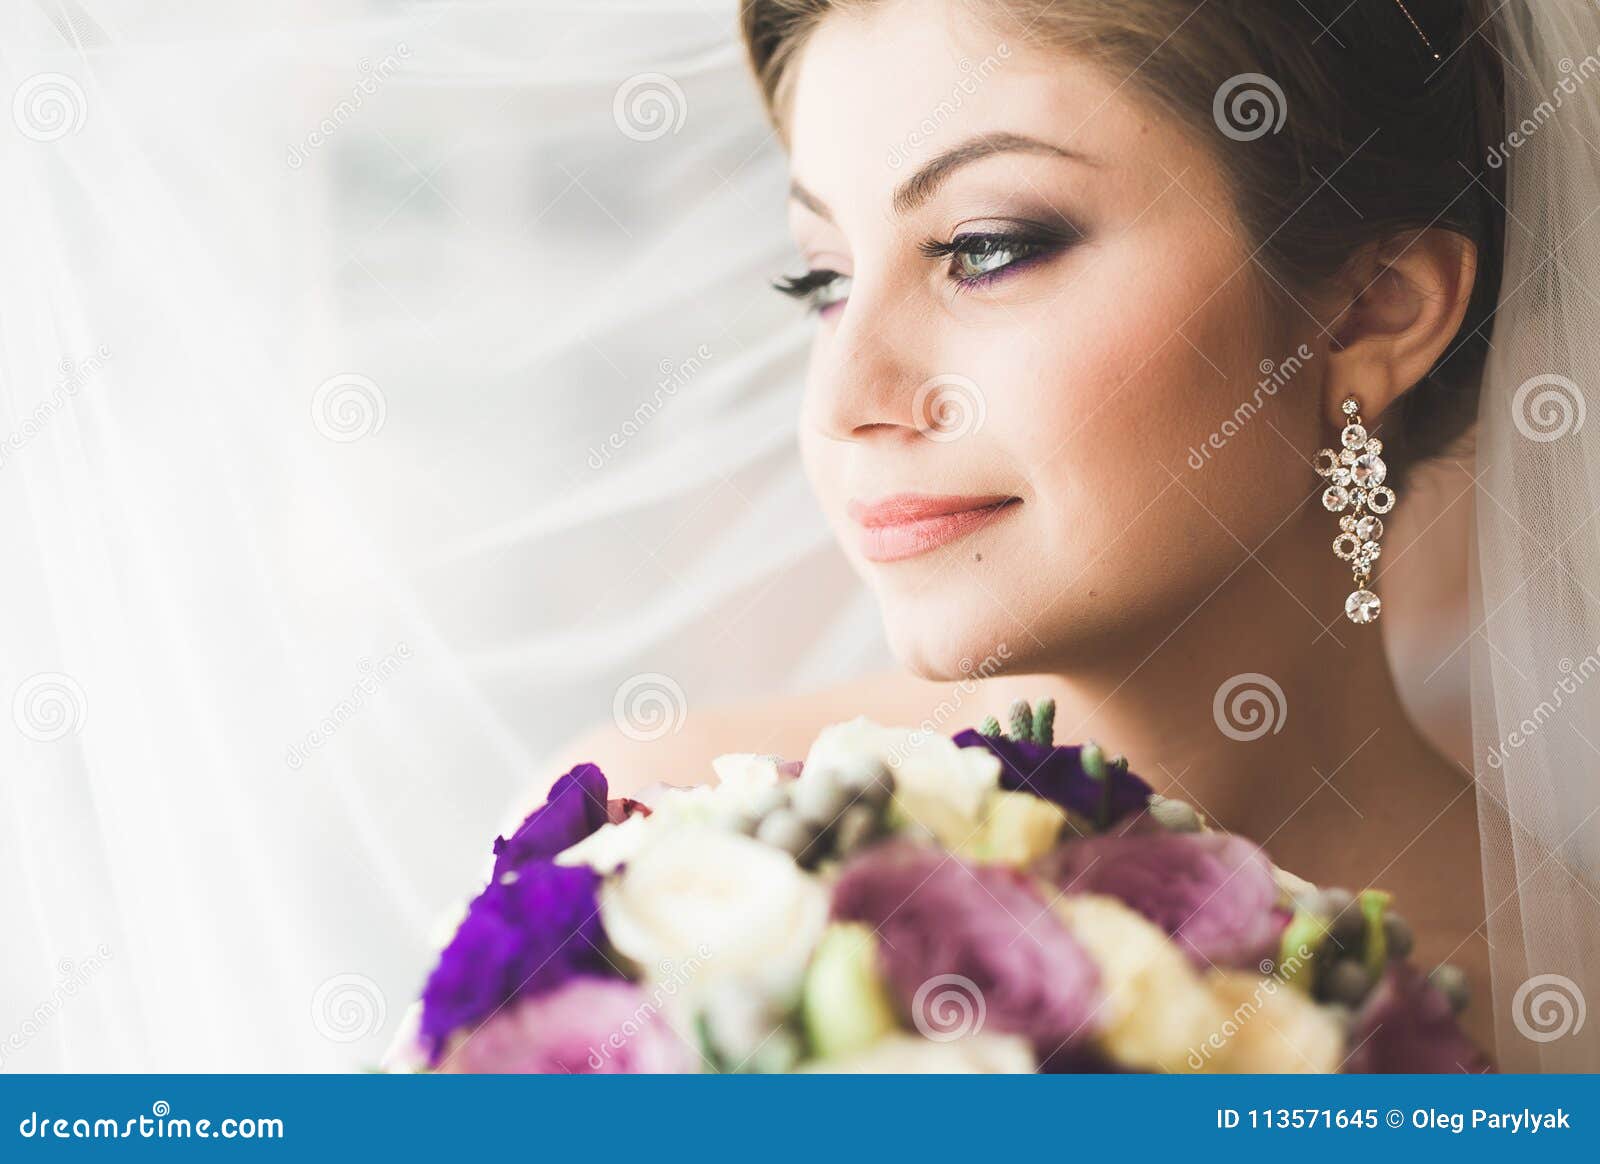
[{"x": 1021, "y": 375}]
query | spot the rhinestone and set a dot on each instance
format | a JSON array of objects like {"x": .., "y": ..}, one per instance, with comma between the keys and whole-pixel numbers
[
  {"x": 1348, "y": 457},
  {"x": 1358, "y": 498},
  {"x": 1368, "y": 470},
  {"x": 1370, "y": 550},
  {"x": 1351, "y": 406},
  {"x": 1362, "y": 606},
  {"x": 1348, "y": 523},
  {"x": 1335, "y": 498},
  {"x": 1381, "y": 499},
  {"x": 1326, "y": 461},
  {"x": 1341, "y": 475},
  {"x": 1374, "y": 446},
  {"x": 1367, "y": 528},
  {"x": 1345, "y": 546},
  {"x": 1354, "y": 436}
]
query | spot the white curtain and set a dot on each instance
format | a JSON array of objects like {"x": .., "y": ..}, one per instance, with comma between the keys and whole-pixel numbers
[{"x": 383, "y": 387}]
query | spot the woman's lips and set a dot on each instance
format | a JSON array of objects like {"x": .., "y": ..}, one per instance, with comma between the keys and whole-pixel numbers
[{"x": 907, "y": 524}]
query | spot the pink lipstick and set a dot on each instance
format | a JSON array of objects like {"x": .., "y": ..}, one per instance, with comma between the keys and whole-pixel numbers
[{"x": 904, "y": 525}]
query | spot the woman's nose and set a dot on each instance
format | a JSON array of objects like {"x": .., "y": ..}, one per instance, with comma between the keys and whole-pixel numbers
[{"x": 866, "y": 372}]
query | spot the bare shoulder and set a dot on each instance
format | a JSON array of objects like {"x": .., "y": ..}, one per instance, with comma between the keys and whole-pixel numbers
[{"x": 784, "y": 726}]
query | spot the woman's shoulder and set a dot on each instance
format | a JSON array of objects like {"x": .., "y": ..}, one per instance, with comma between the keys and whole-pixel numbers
[{"x": 784, "y": 726}]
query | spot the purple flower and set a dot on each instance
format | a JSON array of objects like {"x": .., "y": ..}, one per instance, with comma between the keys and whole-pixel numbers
[
  {"x": 1212, "y": 892},
  {"x": 966, "y": 948},
  {"x": 525, "y": 935},
  {"x": 1406, "y": 1026},
  {"x": 575, "y": 807},
  {"x": 590, "y": 1026},
  {"x": 1057, "y": 774}
]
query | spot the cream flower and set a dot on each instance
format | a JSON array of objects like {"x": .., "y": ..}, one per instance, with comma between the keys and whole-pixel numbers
[
  {"x": 1157, "y": 1009},
  {"x": 732, "y": 906},
  {"x": 1017, "y": 828},
  {"x": 938, "y": 786},
  {"x": 1270, "y": 1028},
  {"x": 904, "y": 1054}
]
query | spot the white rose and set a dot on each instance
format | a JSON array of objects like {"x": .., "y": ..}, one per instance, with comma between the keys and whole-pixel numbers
[
  {"x": 906, "y": 1054},
  {"x": 925, "y": 766},
  {"x": 735, "y": 907},
  {"x": 745, "y": 782}
]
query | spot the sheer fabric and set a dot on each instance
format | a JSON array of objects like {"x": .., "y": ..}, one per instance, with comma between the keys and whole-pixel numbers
[
  {"x": 1536, "y": 646},
  {"x": 384, "y": 391}
]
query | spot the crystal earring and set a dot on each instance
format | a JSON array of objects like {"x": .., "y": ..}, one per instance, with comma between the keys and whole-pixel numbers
[{"x": 1355, "y": 476}]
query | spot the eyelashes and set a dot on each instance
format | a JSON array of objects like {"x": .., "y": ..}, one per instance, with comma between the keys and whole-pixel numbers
[
  {"x": 974, "y": 259},
  {"x": 819, "y": 289}
]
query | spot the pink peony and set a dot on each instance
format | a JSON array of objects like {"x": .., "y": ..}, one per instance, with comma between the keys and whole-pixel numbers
[
  {"x": 969, "y": 948},
  {"x": 1406, "y": 1026},
  {"x": 590, "y": 1026},
  {"x": 1212, "y": 892}
]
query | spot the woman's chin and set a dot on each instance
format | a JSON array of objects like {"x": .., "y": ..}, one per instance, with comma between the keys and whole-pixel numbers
[{"x": 946, "y": 640}]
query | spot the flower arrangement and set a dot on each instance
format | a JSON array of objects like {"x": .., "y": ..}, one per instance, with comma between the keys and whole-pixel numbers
[{"x": 906, "y": 902}]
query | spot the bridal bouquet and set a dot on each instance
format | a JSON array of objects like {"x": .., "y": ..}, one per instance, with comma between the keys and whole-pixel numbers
[{"x": 906, "y": 902}]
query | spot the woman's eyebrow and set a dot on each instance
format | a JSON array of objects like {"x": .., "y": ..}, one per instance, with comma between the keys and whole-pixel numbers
[{"x": 922, "y": 185}]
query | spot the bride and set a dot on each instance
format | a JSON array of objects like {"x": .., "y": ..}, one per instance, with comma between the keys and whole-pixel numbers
[{"x": 1093, "y": 284}]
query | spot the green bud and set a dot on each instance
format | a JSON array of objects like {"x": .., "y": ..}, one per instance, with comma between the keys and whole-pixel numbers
[
  {"x": 1021, "y": 721},
  {"x": 1093, "y": 759},
  {"x": 1373, "y": 904},
  {"x": 1303, "y": 939},
  {"x": 990, "y": 727},
  {"x": 844, "y": 1005},
  {"x": 1044, "y": 722}
]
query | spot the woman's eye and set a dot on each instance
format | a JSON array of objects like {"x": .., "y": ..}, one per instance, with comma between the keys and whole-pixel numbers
[
  {"x": 819, "y": 290},
  {"x": 984, "y": 259},
  {"x": 974, "y": 260}
]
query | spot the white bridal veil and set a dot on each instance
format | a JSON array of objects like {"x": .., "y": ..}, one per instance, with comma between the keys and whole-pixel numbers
[
  {"x": 1536, "y": 642},
  {"x": 387, "y": 390}
]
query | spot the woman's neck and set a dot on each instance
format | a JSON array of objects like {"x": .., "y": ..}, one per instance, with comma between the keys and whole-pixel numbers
[{"x": 1264, "y": 706}]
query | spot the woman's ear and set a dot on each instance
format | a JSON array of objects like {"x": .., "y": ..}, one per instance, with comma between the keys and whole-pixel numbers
[{"x": 1402, "y": 304}]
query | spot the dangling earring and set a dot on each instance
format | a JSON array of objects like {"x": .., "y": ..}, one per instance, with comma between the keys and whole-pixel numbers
[{"x": 1355, "y": 482}]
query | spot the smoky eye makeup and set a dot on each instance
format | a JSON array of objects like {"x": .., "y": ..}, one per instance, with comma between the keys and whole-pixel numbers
[
  {"x": 977, "y": 254},
  {"x": 980, "y": 253}
]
